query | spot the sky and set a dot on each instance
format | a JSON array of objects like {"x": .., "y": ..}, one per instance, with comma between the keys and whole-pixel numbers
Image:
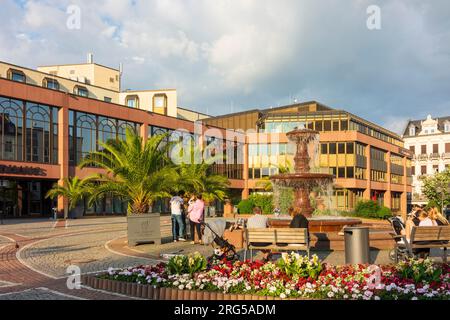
[{"x": 227, "y": 56}]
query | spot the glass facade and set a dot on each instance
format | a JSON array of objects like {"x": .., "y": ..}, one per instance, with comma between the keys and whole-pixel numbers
[
  {"x": 29, "y": 131},
  {"x": 86, "y": 131}
]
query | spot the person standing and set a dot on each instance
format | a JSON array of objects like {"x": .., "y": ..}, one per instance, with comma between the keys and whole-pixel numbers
[
  {"x": 196, "y": 216},
  {"x": 178, "y": 225}
]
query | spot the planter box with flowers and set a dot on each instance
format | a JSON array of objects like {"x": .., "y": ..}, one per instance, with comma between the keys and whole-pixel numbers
[{"x": 291, "y": 277}]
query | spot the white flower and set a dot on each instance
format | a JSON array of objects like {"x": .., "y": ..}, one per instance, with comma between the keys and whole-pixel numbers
[
  {"x": 414, "y": 298},
  {"x": 330, "y": 294},
  {"x": 282, "y": 296},
  {"x": 181, "y": 287}
]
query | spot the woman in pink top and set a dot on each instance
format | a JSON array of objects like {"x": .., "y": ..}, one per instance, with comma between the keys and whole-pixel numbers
[{"x": 196, "y": 217}]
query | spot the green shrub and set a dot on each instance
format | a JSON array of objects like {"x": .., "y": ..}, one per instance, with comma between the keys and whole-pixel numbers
[
  {"x": 371, "y": 209},
  {"x": 367, "y": 209},
  {"x": 245, "y": 206},
  {"x": 384, "y": 212},
  {"x": 265, "y": 202},
  {"x": 285, "y": 199}
]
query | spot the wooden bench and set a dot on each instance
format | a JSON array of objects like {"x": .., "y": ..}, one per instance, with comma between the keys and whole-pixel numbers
[
  {"x": 279, "y": 239},
  {"x": 425, "y": 238}
]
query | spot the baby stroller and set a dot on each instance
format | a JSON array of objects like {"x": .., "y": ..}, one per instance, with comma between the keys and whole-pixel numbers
[
  {"x": 401, "y": 253},
  {"x": 222, "y": 248}
]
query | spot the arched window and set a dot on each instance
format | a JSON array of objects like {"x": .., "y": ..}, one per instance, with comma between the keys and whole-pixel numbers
[
  {"x": 160, "y": 103},
  {"x": 132, "y": 101},
  {"x": 86, "y": 136},
  {"x": 38, "y": 144},
  {"x": 106, "y": 129},
  {"x": 11, "y": 127},
  {"x": 50, "y": 83},
  {"x": 123, "y": 126}
]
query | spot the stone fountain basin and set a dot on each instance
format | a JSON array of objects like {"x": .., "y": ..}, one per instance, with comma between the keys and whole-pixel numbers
[
  {"x": 318, "y": 223},
  {"x": 302, "y": 176}
]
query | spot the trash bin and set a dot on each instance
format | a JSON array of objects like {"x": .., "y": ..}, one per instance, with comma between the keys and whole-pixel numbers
[{"x": 357, "y": 249}]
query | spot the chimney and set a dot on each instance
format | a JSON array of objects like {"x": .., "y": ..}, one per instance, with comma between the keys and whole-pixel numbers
[{"x": 90, "y": 58}]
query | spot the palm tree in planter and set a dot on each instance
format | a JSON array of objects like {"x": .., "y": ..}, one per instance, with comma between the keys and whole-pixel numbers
[
  {"x": 195, "y": 176},
  {"x": 74, "y": 190},
  {"x": 138, "y": 173}
]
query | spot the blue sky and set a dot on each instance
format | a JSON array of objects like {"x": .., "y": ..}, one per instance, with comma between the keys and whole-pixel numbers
[{"x": 227, "y": 55}]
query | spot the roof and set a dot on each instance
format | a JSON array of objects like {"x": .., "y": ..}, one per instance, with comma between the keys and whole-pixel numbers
[
  {"x": 78, "y": 64},
  {"x": 418, "y": 125}
]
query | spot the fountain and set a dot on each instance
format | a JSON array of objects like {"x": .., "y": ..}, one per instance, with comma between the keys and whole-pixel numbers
[{"x": 302, "y": 181}]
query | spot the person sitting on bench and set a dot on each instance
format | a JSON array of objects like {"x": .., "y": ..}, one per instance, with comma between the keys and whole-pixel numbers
[{"x": 258, "y": 221}]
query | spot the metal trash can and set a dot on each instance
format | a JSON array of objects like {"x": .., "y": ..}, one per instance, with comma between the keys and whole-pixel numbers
[{"x": 357, "y": 248}]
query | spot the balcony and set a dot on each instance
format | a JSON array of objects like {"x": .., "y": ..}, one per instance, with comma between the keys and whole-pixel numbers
[
  {"x": 422, "y": 157},
  {"x": 435, "y": 156},
  {"x": 446, "y": 155}
]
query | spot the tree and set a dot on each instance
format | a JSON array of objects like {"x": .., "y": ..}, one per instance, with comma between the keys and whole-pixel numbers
[
  {"x": 138, "y": 173},
  {"x": 436, "y": 188},
  {"x": 195, "y": 177},
  {"x": 74, "y": 189}
]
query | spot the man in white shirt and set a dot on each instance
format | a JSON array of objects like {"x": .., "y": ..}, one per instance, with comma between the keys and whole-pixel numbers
[
  {"x": 259, "y": 221},
  {"x": 178, "y": 225}
]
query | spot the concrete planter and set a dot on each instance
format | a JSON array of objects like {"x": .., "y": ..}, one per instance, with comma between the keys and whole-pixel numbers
[{"x": 144, "y": 228}]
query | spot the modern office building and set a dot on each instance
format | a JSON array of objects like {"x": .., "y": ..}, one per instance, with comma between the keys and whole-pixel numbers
[
  {"x": 429, "y": 142},
  {"x": 54, "y": 116},
  {"x": 368, "y": 161}
]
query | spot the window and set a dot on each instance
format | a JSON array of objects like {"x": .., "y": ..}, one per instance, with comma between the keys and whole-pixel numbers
[
  {"x": 413, "y": 170},
  {"x": 327, "y": 125},
  {"x": 436, "y": 168},
  {"x": 111, "y": 80},
  {"x": 107, "y": 99},
  {"x": 160, "y": 104},
  {"x": 447, "y": 127},
  {"x": 412, "y": 131},
  {"x": 423, "y": 169},
  {"x": 435, "y": 148},
  {"x": 341, "y": 148},
  {"x": 350, "y": 172},
  {"x": 344, "y": 125},
  {"x": 423, "y": 149},
  {"x": 323, "y": 148},
  {"x": 132, "y": 101},
  {"x": 51, "y": 84},
  {"x": 341, "y": 172},
  {"x": 16, "y": 75},
  {"x": 412, "y": 149},
  {"x": 81, "y": 91},
  {"x": 447, "y": 148},
  {"x": 335, "y": 125},
  {"x": 332, "y": 148},
  {"x": 318, "y": 125},
  {"x": 350, "y": 148}
]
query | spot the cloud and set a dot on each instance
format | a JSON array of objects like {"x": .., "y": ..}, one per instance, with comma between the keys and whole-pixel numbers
[{"x": 225, "y": 56}]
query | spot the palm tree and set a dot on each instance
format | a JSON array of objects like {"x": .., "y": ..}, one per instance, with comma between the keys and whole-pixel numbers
[
  {"x": 137, "y": 173},
  {"x": 74, "y": 189},
  {"x": 194, "y": 176}
]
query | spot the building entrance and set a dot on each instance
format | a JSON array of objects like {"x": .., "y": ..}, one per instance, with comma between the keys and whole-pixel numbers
[{"x": 25, "y": 198}]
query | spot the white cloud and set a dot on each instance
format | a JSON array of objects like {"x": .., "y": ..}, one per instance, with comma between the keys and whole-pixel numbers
[{"x": 255, "y": 53}]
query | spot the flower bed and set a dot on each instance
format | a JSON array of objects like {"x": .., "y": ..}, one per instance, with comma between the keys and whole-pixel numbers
[{"x": 291, "y": 277}]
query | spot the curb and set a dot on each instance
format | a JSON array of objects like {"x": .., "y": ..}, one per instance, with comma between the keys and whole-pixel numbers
[{"x": 151, "y": 292}]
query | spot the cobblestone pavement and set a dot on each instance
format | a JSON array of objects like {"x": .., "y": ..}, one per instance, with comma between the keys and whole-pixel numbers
[
  {"x": 37, "y": 294},
  {"x": 35, "y": 254}
]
